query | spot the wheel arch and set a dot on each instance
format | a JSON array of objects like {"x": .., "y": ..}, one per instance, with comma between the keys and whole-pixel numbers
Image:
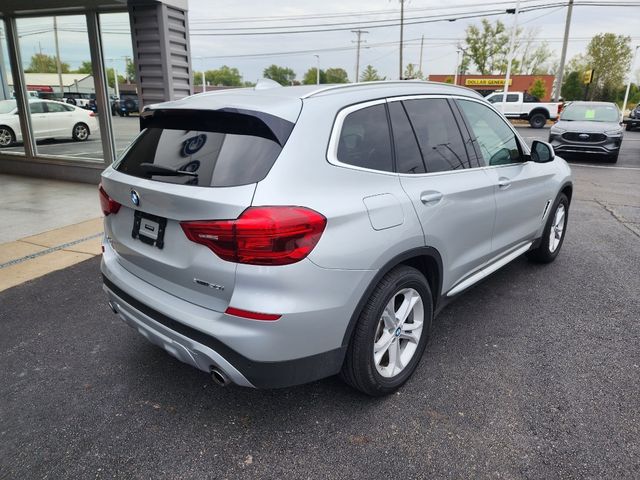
[
  {"x": 427, "y": 260},
  {"x": 541, "y": 110},
  {"x": 567, "y": 189}
]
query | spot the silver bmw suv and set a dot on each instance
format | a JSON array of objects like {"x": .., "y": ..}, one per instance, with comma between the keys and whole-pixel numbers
[{"x": 275, "y": 236}]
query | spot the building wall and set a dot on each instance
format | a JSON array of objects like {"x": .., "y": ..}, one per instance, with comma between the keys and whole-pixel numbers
[{"x": 486, "y": 84}]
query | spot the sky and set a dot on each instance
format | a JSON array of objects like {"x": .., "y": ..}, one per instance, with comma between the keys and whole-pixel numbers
[{"x": 335, "y": 48}]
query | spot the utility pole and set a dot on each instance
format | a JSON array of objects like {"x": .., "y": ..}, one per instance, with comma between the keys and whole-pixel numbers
[
  {"x": 401, "y": 36},
  {"x": 317, "y": 69},
  {"x": 455, "y": 77},
  {"x": 115, "y": 80},
  {"x": 421, "y": 50},
  {"x": 626, "y": 93},
  {"x": 58, "y": 64},
  {"x": 512, "y": 42},
  {"x": 563, "y": 55},
  {"x": 358, "y": 42}
]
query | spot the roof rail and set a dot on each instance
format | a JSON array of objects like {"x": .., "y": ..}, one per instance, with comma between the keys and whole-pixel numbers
[{"x": 363, "y": 84}]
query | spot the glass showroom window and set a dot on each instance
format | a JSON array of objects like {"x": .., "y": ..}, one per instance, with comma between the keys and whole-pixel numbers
[
  {"x": 10, "y": 130},
  {"x": 121, "y": 78},
  {"x": 59, "y": 78}
]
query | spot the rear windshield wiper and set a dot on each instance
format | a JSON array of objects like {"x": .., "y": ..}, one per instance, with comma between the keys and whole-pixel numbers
[{"x": 151, "y": 169}]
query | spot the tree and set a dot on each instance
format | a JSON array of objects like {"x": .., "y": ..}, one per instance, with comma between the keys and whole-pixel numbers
[
  {"x": 486, "y": 47},
  {"x": 412, "y": 72},
  {"x": 85, "y": 67},
  {"x": 609, "y": 56},
  {"x": 111, "y": 77},
  {"x": 370, "y": 74},
  {"x": 572, "y": 87},
  {"x": 43, "y": 63},
  {"x": 225, "y": 76},
  {"x": 449, "y": 79},
  {"x": 538, "y": 89},
  {"x": 337, "y": 75},
  {"x": 131, "y": 70},
  {"x": 310, "y": 77},
  {"x": 282, "y": 75}
]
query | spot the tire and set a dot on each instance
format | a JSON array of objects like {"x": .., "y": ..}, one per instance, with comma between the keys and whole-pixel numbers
[
  {"x": 547, "y": 251},
  {"x": 537, "y": 120},
  {"x": 628, "y": 127},
  {"x": 377, "y": 376},
  {"x": 130, "y": 105},
  {"x": 121, "y": 113},
  {"x": 71, "y": 101},
  {"x": 80, "y": 132},
  {"x": 7, "y": 137}
]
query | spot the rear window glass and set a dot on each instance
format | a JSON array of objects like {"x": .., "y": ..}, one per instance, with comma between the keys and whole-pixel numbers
[{"x": 223, "y": 152}]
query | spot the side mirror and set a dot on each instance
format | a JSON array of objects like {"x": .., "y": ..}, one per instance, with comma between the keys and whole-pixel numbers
[{"x": 542, "y": 152}]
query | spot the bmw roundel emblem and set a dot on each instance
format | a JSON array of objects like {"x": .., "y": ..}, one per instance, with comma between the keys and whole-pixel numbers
[{"x": 135, "y": 198}]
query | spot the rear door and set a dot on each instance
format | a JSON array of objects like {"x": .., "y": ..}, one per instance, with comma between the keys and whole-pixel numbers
[
  {"x": 452, "y": 196},
  {"x": 225, "y": 155},
  {"x": 522, "y": 189}
]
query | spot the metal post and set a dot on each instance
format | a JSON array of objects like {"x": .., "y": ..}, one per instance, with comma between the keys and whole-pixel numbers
[
  {"x": 204, "y": 80},
  {"x": 20, "y": 87},
  {"x": 317, "y": 69},
  {"x": 626, "y": 93},
  {"x": 358, "y": 41},
  {"x": 58, "y": 62},
  {"x": 563, "y": 55},
  {"x": 100, "y": 83},
  {"x": 455, "y": 78},
  {"x": 115, "y": 82},
  {"x": 421, "y": 50},
  {"x": 401, "y": 35},
  {"x": 512, "y": 42}
]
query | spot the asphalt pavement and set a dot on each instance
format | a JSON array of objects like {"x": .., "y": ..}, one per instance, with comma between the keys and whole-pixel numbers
[{"x": 534, "y": 373}]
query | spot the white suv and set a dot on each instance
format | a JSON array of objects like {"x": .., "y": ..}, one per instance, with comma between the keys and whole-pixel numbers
[{"x": 276, "y": 236}]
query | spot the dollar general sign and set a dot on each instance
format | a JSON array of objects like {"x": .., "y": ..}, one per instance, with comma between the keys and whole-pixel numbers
[{"x": 486, "y": 82}]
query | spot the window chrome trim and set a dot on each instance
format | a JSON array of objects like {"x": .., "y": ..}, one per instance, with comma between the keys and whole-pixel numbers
[{"x": 332, "y": 148}]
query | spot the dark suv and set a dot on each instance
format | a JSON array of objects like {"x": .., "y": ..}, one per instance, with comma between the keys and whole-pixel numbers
[
  {"x": 634, "y": 118},
  {"x": 125, "y": 105}
]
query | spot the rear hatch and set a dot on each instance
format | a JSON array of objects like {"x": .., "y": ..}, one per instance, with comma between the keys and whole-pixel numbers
[{"x": 188, "y": 165}]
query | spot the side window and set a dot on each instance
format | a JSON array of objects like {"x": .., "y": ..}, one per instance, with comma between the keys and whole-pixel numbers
[
  {"x": 364, "y": 139},
  {"x": 496, "y": 141},
  {"x": 495, "y": 99},
  {"x": 36, "y": 107},
  {"x": 408, "y": 156},
  {"x": 438, "y": 134},
  {"x": 55, "y": 108},
  {"x": 528, "y": 98},
  {"x": 512, "y": 97}
]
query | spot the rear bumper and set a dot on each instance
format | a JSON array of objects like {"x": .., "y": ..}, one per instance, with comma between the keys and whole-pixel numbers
[{"x": 205, "y": 352}]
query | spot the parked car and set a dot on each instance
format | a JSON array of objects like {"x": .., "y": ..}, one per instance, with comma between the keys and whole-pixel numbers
[
  {"x": 49, "y": 119},
  {"x": 275, "y": 236},
  {"x": 525, "y": 107},
  {"x": 81, "y": 100},
  {"x": 125, "y": 105},
  {"x": 591, "y": 128},
  {"x": 634, "y": 119}
]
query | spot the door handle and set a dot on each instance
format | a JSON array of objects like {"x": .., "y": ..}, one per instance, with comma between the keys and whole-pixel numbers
[
  {"x": 431, "y": 197},
  {"x": 504, "y": 183}
]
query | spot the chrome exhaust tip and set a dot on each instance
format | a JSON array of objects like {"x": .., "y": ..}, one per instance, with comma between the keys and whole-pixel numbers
[
  {"x": 113, "y": 307},
  {"x": 219, "y": 377}
]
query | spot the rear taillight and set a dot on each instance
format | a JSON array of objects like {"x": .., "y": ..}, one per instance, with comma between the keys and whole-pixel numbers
[
  {"x": 92, "y": 114},
  {"x": 261, "y": 235},
  {"x": 108, "y": 204}
]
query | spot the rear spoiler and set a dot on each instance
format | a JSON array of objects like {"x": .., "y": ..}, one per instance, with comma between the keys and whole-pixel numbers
[{"x": 224, "y": 120}]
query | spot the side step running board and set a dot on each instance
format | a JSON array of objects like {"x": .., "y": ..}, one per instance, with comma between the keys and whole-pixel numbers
[{"x": 488, "y": 270}]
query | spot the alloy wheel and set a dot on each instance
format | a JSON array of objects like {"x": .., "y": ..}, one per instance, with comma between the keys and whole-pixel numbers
[
  {"x": 398, "y": 332},
  {"x": 557, "y": 228}
]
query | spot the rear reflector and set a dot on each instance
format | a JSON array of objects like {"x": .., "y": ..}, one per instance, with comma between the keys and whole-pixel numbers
[
  {"x": 261, "y": 235},
  {"x": 108, "y": 204},
  {"x": 236, "y": 312}
]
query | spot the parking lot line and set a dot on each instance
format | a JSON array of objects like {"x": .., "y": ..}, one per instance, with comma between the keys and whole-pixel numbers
[{"x": 602, "y": 166}]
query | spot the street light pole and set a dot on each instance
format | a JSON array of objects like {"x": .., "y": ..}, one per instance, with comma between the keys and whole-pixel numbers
[
  {"x": 58, "y": 62},
  {"x": 358, "y": 42},
  {"x": 511, "y": 55},
  {"x": 317, "y": 69},
  {"x": 626, "y": 93},
  {"x": 401, "y": 36}
]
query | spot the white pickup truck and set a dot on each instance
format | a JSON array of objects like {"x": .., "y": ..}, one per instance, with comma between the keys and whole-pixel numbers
[{"x": 525, "y": 107}]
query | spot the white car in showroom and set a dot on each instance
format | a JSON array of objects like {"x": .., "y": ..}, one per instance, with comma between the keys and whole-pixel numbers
[{"x": 49, "y": 119}]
